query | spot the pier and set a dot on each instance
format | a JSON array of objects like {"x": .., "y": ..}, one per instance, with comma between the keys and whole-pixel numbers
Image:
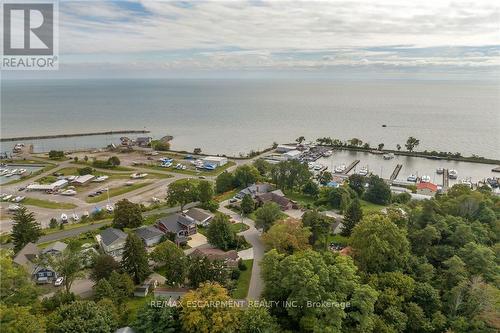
[
  {"x": 396, "y": 171},
  {"x": 56, "y": 136},
  {"x": 446, "y": 180},
  {"x": 350, "y": 167}
]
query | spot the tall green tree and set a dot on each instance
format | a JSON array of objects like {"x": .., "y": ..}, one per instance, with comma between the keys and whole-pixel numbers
[
  {"x": 20, "y": 319},
  {"x": 202, "y": 269},
  {"x": 266, "y": 215},
  {"x": 247, "y": 204},
  {"x": 205, "y": 191},
  {"x": 352, "y": 216},
  {"x": 378, "y": 191},
  {"x": 411, "y": 143},
  {"x": 164, "y": 319},
  {"x": 224, "y": 182},
  {"x": 257, "y": 319},
  {"x": 246, "y": 175},
  {"x": 287, "y": 236},
  {"x": 173, "y": 261},
  {"x": 379, "y": 244},
  {"x": 135, "y": 259},
  {"x": 103, "y": 266},
  {"x": 25, "y": 229},
  {"x": 181, "y": 192},
  {"x": 127, "y": 215},
  {"x": 310, "y": 188},
  {"x": 219, "y": 232},
  {"x": 68, "y": 264},
  {"x": 320, "y": 226},
  {"x": 357, "y": 183},
  {"x": 16, "y": 286}
]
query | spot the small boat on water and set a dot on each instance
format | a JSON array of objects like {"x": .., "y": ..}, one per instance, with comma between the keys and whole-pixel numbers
[
  {"x": 318, "y": 167},
  {"x": 452, "y": 174},
  {"x": 440, "y": 171},
  {"x": 363, "y": 171},
  {"x": 412, "y": 178},
  {"x": 388, "y": 156},
  {"x": 327, "y": 153},
  {"x": 64, "y": 218},
  {"x": 339, "y": 169},
  {"x": 425, "y": 179}
]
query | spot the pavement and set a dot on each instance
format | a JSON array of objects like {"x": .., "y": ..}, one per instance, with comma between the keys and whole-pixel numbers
[
  {"x": 252, "y": 236},
  {"x": 81, "y": 287},
  {"x": 197, "y": 240}
]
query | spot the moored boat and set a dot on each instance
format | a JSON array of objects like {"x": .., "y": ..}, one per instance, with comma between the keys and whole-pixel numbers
[
  {"x": 452, "y": 174},
  {"x": 440, "y": 171}
]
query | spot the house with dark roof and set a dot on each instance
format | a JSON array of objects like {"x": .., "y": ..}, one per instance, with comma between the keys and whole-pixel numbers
[
  {"x": 55, "y": 249},
  {"x": 230, "y": 258},
  {"x": 254, "y": 190},
  {"x": 181, "y": 225},
  {"x": 149, "y": 235},
  {"x": 200, "y": 216},
  {"x": 30, "y": 258},
  {"x": 112, "y": 241},
  {"x": 275, "y": 196}
]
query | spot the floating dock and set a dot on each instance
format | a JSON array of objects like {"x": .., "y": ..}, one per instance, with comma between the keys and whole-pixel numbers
[
  {"x": 446, "y": 179},
  {"x": 350, "y": 167},
  {"x": 56, "y": 136},
  {"x": 396, "y": 171}
]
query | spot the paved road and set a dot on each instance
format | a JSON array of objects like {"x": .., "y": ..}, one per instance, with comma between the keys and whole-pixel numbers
[{"x": 252, "y": 235}]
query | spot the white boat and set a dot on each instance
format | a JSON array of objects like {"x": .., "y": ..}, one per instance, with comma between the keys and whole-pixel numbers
[
  {"x": 310, "y": 165},
  {"x": 64, "y": 218},
  {"x": 339, "y": 169},
  {"x": 100, "y": 179},
  {"x": 75, "y": 217},
  {"x": 109, "y": 208},
  {"x": 138, "y": 175},
  {"x": 425, "y": 179},
  {"x": 328, "y": 153},
  {"x": 85, "y": 214},
  {"x": 412, "y": 178},
  {"x": 68, "y": 192},
  {"x": 388, "y": 156},
  {"x": 317, "y": 167},
  {"x": 166, "y": 165},
  {"x": 467, "y": 182},
  {"x": 363, "y": 171},
  {"x": 452, "y": 174},
  {"x": 440, "y": 171},
  {"x": 18, "y": 199},
  {"x": 20, "y": 171},
  {"x": 129, "y": 183},
  {"x": 14, "y": 207},
  {"x": 7, "y": 197}
]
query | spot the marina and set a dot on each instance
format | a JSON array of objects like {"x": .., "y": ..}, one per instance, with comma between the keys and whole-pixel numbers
[{"x": 10, "y": 172}]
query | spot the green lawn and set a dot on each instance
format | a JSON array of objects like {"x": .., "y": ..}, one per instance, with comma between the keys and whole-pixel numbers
[
  {"x": 192, "y": 172},
  {"x": 243, "y": 283},
  {"x": 239, "y": 227},
  {"x": 369, "y": 207},
  {"x": 70, "y": 226},
  {"x": 226, "y": 195},
  {"x": 48, "y": 204},
  {"x": 116, "y": 191},
  {"x": 302, "y": 199}
]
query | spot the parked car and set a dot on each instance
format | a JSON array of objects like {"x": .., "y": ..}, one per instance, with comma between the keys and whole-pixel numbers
[{"x": 59, "y": 281}]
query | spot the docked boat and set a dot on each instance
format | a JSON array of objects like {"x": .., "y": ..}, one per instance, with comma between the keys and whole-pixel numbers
[
  {"x": 452, "y": 174},
  {"x": 109, "y": 208},
  {"x": 317, "y": 167},
  {"x": 100, "y": 179},
  {"x": 7, "y": 197},
  {"x": 339, "y": 169},
  {"x": 363, "y": 171},
  {"x": 493, "y": 182},
  {"x": 129, "y": 183},
  {"x": 18, "y": 198},
  {"x": 75, "y": 217},
  {"x": 68, "y": 192},
  {"x": 412, "y": 178},
  {"x": 138, "y": 175},
  {"x": 64, "y": 218},
  {"x": 388, "y": 156},
  {"x": 328, "y": 153},
  {"x": 310, "y": 165},
  {"x": 85, "y": 214},
  {"x": 425, "y": 179},
  {"x": 440, "y": 171},
  {"x": 467, "y": 182}
]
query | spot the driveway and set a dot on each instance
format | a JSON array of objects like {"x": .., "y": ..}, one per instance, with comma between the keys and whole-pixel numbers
[
  {"x": 81, "y": 287},
  {"x": 197, "y": 240}
]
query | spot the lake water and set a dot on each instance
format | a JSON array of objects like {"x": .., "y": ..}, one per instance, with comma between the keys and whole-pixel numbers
[{"x": 235, "y": 116}]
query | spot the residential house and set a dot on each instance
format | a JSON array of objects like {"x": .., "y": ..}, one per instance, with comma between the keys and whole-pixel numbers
[
  {"x": 427, "y": 188},
  {"x": 200, "y": 216},
  {"x": 29, "y": 257},
  {"x": 181, "y": 225},
  {"x": 230, "y": 258},
  {"x": 143, "y": 141},
  {"x": 254, "y": 190},
  {"x": 56, "y": 248},
  {"x": 149, "y": 235},
  {"x": 112, "y": 241},
  {"x": 275, "y": 196}
]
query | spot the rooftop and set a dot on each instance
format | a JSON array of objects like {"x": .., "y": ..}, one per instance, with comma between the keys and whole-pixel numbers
[{"x": 110, "y": 235}]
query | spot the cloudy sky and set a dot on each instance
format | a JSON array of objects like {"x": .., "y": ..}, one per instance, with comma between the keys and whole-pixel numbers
[{"x": 169, "y": 38}]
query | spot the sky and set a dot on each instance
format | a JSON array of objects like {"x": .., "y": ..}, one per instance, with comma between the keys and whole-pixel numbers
[{"x": 393, "y": 38}]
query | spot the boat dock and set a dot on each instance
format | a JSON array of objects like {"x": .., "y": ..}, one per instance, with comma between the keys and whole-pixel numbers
[
  {"x": 350, "y": 167},
  {"x": 396, "y": 171},
  {"x": 56, "y": 136},
  {"x": 446, "y": 179}
]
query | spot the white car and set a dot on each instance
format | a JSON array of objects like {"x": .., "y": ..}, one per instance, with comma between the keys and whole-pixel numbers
[{"x": 58, "y": 281}]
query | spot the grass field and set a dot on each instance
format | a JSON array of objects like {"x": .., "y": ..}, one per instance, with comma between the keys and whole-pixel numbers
[
  {"x": 192, "y": 172},
  {"x": 116, "y": 191},
  {"x": 243, "y": 283},
  {"x": 369, "y": 207},
  {"x": 239, "y": 227},
  {"x": 301, "y": 199},
  {"x": 226, "y": 195},
  {"x": 48, "y": 204}
]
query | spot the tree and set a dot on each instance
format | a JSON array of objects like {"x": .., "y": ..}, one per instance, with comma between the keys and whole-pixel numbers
[
  {"x": 173, "y": 261},
  {"x": 116, "y": 288},
  {"x": 480, "y": 260},
  {"x": 205, "y": 191},
  {"x": 398, "y": 147},
  {"x": 127, "y": 215},
  {"x": 266, "y": 215},
  {"x": 19, "y": 319},
  {"x": 208, "y": 319},
  {"x": 25, "y": 229},
  {"x": 262, "y": 166},
  {"x": 113, "y": 161},
  {"x": 16, "y": 286},
  {"x": 380, "y": 146},
  {"x": 56, "y": 154},
  {"x": 300, "y": 139},
  {"x": 53, "y": 223},
  {"x": 82, "y": 316},
  {"x": 257, "y": 319},
  {"x": 197, "y": 151},
  {"x": 287, "y": 236},
  {"x": 202, "y": 269},
  {"x": 103, "y": 266},
  {"x": 411, "y": 143},
  {"x": 310, "y": 188},
  {"x": 150, "y": 319},
  {"x": 219, "y": 232},
  {"x": 135, "y": 258},
  {"x": 181, "y": 192},
  {"x": 355, "y": 142},
  {"x": 68, "y": 265},
  {"x": 224, "y": 182},
  {"x": 352, "y": 216},
  {"x": 247, "y": 204},
  {"x": 245, "y": 175},
  {"x": 290, "y": 175},
  {"x": 85, "y": 171},
  {"x": 379, "y": 245},
  {"x": 357, "y": 183},
  {"x": 320, "y": 226},
  {"x": 378, "y": 191},
  {"x": 103, "y": 289},
  {"x": 325, "y": 177}
]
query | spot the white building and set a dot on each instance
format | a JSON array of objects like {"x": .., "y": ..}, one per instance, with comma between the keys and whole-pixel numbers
[
  {"x": 215, "y": 160},
  {"x": 82, "y": 180},
  {"x": 48, "y": 187},
  {"x": 292, "y": 155}
]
